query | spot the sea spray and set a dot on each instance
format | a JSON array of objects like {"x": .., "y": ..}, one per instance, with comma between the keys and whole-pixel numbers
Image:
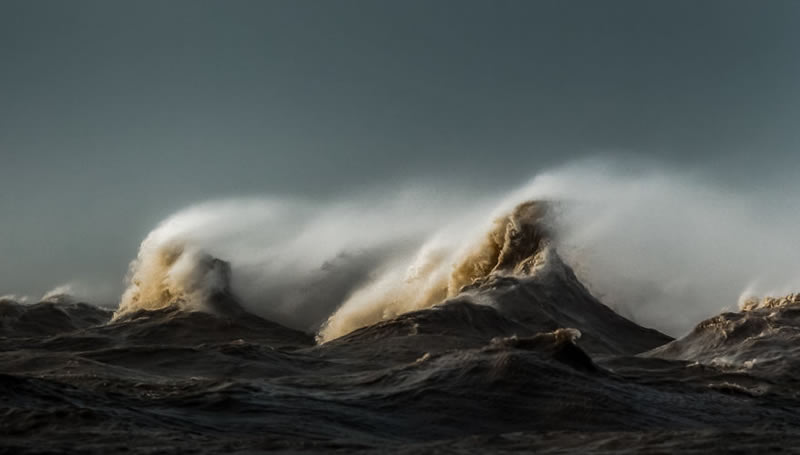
[{"x": 663, "y": 247}]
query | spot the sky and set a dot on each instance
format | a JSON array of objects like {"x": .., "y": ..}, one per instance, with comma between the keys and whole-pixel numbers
[{"x": 115, "y": 114}]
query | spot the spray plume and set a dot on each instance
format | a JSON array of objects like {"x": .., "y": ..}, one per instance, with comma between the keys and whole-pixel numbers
[{"x": 662, "y": 247}]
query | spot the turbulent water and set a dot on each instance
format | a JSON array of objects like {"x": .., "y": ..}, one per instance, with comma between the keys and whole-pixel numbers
[{"x": 484, "y": 340}]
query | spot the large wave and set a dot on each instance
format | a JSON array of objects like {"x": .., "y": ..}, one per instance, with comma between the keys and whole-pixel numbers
[
  {"x": 439, "y": 271},
  {"x": 291, "y": 261},
  {"x": 664, "y": 248}
]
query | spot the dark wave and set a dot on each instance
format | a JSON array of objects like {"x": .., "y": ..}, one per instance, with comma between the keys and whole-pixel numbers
[
  {"x": 521, "y": 357},
  {"x": 48, "y": 318}
]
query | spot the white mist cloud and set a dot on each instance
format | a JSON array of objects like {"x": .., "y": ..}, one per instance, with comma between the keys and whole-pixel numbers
[{"x": 671, "y": 248}]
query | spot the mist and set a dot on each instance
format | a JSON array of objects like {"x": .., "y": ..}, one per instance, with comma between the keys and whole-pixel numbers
[{"x": 669, "y": 248}]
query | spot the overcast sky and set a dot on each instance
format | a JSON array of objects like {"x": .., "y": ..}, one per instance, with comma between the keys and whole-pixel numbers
[{"x": 115, "y": 114}]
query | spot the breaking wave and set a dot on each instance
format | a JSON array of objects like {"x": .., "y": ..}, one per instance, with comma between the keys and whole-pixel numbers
[
  {"x": 436, "y": 273},
  {"x": 170, "y": 272},
  {"x": 664, "y": 248},
  {"x": 290, "y": 261},
  {"x": 174, "y": 275}
]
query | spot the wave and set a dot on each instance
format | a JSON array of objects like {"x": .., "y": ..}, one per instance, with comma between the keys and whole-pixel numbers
[
  {"x": 168, "y": 273},
  {"x": 763, "y": 336},
  {"x": 510, "y": 246},
  {"x": 47, "y": 317},
  {"x": 290, "y": 261},
  {"x": 171, "y": 275},
  {"x": 438, "y": 319},
  {"x": 661, "y": 247}
]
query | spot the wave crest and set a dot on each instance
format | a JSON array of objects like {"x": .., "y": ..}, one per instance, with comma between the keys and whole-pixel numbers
[
  {"x": 173, "y": 274},
  {"x": 509, "y": 247}
]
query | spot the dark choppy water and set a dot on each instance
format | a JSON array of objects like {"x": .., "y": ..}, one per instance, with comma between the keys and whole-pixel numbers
[{"x": 542, "y": 367}]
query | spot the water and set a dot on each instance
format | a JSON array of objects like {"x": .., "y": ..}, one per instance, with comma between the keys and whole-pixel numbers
[{"x": 516, "y": 362}]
